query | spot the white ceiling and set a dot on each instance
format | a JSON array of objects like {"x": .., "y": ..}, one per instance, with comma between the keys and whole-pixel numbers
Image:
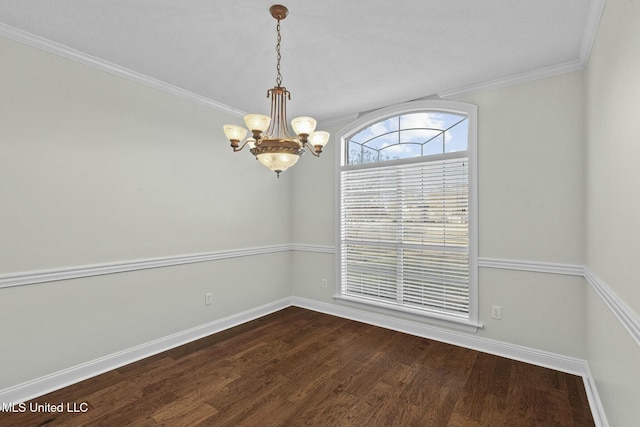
[{"x": 338, "y": 57}]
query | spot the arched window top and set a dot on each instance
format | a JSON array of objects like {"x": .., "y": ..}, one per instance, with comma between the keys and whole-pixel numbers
[
  {"x": 417, "y": 129},
  {"x": 409, "y": 135}
]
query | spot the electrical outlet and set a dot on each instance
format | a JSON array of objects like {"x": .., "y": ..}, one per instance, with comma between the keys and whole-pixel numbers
[
  {"x": 496, "y": 312},
  {"x": 323, "y": 283},
  {"x": 208, "y": 298}
]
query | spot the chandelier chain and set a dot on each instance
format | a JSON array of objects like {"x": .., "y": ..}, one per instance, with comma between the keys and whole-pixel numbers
[{"x": 279, "y": 76}]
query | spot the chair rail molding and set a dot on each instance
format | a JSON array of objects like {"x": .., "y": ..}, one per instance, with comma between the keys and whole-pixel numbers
[
  {"x": 533, "y": 266},
  {"x": 629, "y": 319},
  {"x": 65, "y": 273},
  {"x": 622, "y": 311}
]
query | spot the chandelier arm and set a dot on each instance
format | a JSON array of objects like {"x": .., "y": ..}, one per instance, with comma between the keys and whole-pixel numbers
[
  {"x": 311, "y": 150},
  {"x": 236, "y": 149}
]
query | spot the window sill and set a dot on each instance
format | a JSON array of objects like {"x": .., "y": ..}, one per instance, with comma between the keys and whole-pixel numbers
[{"x": 398, "y": 313}]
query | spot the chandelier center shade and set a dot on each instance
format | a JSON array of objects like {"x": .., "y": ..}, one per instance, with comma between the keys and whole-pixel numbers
[{"x": 270, "y": 140}]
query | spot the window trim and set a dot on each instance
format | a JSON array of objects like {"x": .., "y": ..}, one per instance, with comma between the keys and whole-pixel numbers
[{"x": 471, "y": 111}]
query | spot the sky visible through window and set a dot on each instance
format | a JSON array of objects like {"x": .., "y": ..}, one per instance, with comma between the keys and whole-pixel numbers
[{"x": 409, "y": 135}]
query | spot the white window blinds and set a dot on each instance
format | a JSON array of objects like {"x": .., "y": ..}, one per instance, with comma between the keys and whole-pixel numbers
[{"x": 405, "y": 234}]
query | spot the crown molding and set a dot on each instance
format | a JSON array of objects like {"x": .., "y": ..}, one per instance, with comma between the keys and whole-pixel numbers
[
  {"x": 63, "y": 51},
  {"x": 540, "y": 73},
  {"x": 596, "y": 9}
]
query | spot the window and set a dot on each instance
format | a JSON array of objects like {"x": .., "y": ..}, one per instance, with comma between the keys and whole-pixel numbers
[{"x": 407, "y": 214}]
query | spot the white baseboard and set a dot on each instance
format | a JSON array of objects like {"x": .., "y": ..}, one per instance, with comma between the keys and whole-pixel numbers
[
  {"x": 57, "y": 380},
  {"x": 597, "y": 410},
  {"x": 533, "y": 356},
  {"x": 512, "y": 351}
]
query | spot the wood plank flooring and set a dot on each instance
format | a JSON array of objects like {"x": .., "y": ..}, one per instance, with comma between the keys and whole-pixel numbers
[{"x": 301, "y": 368}]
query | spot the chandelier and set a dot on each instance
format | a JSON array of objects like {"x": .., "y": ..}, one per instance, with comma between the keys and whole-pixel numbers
[{"x": 270, "y": 140}]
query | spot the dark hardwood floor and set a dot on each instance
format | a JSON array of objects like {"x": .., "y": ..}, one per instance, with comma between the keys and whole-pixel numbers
[{"x": 299, "y": 367}]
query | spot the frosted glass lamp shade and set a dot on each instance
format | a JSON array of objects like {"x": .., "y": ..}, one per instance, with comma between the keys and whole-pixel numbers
[
  {"x": 303, "y": 125},
  {"x": 319, "y": 137},
  {"x": 234, "y": 133},
  {"x": 257, "y": 122},
  {"x": 278, "y": 162}
]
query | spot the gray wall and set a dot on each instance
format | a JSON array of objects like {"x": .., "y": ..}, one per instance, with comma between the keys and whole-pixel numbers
[
  {"x": 97, "y": 169},
  {"x": 531, "y": 208},
  {"x": 613, "y": 206}
]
